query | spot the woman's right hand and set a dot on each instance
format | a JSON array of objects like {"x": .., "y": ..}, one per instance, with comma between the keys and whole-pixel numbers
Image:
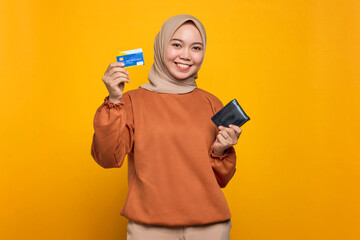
[{"x": 114, "y": 79}]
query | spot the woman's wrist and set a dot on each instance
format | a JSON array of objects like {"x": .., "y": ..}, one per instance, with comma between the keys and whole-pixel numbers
[
  {"x": 219, "y": 153},
  {"x": 110, "y": 105},
  {"x": 114, "y": 100}
]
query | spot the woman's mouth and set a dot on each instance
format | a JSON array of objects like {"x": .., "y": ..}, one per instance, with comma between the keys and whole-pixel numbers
[{"x": 182, "y": 66}]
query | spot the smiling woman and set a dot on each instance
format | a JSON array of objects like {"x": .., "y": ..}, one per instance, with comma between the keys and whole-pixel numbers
[
  {"x": 177, "y": 36},
  {"x": 185, "y": 52},
  {"x": 178, "y": 159}
]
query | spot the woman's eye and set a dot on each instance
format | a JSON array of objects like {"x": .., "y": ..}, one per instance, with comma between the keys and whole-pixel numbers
[
  {"x": 197, "y": 48},
  {"x": 176, "y": 45}
]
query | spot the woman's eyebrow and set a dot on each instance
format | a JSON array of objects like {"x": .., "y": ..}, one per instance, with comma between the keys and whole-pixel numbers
[{"x": 176, "y": 39}]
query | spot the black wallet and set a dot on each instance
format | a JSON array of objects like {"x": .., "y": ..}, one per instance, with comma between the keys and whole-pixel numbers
[{"x": 232, "y": 113}]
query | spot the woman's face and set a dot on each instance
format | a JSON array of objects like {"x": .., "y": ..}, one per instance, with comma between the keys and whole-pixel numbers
[{"x": 185, "y": 52}]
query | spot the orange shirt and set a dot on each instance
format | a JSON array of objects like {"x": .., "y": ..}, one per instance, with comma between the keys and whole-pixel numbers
[{"x": 173, "y": 175}]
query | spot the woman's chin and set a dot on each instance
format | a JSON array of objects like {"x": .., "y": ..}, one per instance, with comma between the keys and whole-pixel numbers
[{"x": 182, "y": 76}]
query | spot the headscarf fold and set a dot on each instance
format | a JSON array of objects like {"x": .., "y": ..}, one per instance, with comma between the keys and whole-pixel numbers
[{"x": 159, "y": 76}]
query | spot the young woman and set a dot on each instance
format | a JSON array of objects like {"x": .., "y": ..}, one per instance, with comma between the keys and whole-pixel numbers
[{"x": 178, "y": 160}]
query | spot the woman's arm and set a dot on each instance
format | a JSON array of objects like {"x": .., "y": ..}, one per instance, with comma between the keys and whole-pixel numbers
[
  {"x": 114, "y": 135},
  {"x": 224, "y": 166},
  {"x": 222, "y": 151}
]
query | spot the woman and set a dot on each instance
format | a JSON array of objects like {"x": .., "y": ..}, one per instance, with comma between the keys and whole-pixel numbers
[{"x": 178, "y": 160}]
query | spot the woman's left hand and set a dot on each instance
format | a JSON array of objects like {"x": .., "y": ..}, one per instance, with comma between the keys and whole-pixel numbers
[{"x": 226, "y": 138}]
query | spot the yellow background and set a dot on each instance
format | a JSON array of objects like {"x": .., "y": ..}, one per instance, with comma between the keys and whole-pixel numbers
[{"x": 292, "y": 65}]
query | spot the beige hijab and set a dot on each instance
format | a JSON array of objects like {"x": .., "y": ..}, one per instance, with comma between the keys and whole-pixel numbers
[{"x": 160, "y": 78}]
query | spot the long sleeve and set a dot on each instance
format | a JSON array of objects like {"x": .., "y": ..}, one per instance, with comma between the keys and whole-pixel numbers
[
  {"x": 223, "y": 166},
  {"x": 114, "y": 135}
]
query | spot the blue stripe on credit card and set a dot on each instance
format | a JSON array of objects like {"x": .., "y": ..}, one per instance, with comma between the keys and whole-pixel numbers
[{"x": 131, "y": 57}]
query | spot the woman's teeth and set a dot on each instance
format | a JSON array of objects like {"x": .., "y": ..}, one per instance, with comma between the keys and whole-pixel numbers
[{"x": 182, "y": 65}]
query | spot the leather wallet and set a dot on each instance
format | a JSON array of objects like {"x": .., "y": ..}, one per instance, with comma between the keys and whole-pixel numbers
[{"x": 232, "y": 113}]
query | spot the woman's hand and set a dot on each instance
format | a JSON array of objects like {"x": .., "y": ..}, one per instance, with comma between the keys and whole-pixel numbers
[
  {"x": 114, "y": 79},
  {"x": 226, "y": 138}
]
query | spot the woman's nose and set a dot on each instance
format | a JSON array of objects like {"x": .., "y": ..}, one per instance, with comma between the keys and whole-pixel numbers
[{"x": 185, "y": 54}]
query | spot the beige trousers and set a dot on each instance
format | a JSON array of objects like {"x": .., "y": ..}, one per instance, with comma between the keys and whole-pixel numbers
[{"x": 215, "y": 231}]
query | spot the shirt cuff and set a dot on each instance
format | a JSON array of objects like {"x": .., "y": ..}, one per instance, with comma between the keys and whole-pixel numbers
[
  {"x": 111, "y": 105},
  {"x": 227, "y": 153}
]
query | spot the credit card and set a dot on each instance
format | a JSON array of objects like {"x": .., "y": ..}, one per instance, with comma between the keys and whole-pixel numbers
[{"x": 131, "y": 58}]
